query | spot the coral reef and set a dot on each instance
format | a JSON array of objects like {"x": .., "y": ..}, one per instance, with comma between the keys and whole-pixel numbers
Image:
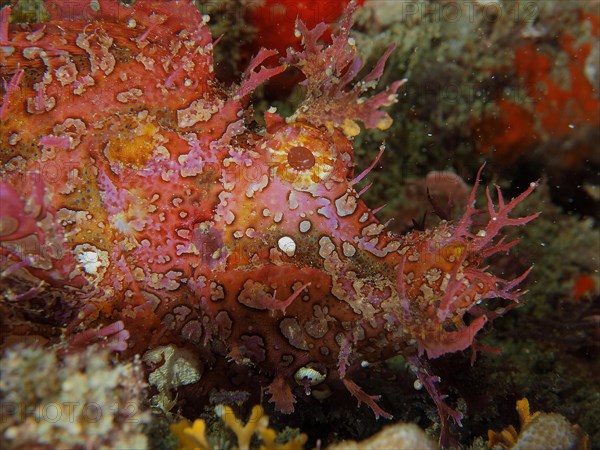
[
  {"x": 82, "y": 400},
  {"x": 515, "y": 82},
  {"x": 237, "y": 36},
  {"x": 194, "y": 435},
  {"x": 539, "y": 430},
  {"x": 172, "y": 367},
  {"x": 559, "y": 262},
  {"x": 400, "y": 436}
]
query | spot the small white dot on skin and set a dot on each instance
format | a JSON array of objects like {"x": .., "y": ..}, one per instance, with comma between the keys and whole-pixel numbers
[
  {"x": 304, "y": 226},
  {"x": 287, "y": 245}
]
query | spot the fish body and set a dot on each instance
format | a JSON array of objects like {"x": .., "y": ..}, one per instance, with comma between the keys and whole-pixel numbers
[{"x": 143, "y": 207}]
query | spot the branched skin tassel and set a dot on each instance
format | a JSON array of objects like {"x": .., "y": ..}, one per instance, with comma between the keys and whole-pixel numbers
[{"x": 146, "y": 213}]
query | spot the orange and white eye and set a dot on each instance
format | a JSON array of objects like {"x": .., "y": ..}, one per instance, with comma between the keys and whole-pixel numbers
[{"x": 302, "y": 155}]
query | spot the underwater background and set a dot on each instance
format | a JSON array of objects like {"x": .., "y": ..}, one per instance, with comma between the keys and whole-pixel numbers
[{"x": 512, "y": 84}]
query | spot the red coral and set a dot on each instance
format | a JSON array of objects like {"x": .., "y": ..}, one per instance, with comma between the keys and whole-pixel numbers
[
  {"x": 553, "y": 109},
  {"x": 275, "y": 19},
  {"x": 509, "y": 134},
  {"x": 560, "y": 107}
]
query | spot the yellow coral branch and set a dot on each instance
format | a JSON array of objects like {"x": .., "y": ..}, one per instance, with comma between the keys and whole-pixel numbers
[
  {"x": 198, "y": 433},
  {"x": 191, "y": 436},
  {"x": 523, "y": 409},
  {"x": 243, "y": 432},
  {"x": 549, "y": 430}
]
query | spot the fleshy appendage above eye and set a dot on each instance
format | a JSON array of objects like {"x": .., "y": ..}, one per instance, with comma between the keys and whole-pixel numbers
[{"x": 302, "y": 155}]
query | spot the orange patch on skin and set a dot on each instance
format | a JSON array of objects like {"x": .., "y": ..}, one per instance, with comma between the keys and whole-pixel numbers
[{"x": 132, "y": 148}]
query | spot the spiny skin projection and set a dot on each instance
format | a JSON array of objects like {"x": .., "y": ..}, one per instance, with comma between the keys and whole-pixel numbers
[{"x": 140, "y": 210}]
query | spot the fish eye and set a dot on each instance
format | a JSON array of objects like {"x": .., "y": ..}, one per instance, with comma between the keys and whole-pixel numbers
[
  {"x": 301, "y": 158},
  {"x": 302, "y": 155}
]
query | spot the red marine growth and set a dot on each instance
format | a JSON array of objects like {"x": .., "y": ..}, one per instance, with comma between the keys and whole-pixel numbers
[
  {"x": 274, "y": 19},
  {"x": 139, "y": 208}
]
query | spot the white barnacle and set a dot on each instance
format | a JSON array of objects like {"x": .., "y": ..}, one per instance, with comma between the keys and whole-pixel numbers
[
  {"x": 92, "y": 261},
  {"x": 308, "y": 376},
  {"x": 89, "y": 261},
  {"x": 287, "y": 245}
]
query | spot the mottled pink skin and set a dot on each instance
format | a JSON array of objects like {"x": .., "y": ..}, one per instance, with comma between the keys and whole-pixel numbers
[
  {"x": 178, "y": 225},
  {"x": 17, "y": 219}
]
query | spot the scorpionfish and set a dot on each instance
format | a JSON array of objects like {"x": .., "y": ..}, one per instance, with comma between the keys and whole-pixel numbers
[{"x": 141, "y": 206}]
